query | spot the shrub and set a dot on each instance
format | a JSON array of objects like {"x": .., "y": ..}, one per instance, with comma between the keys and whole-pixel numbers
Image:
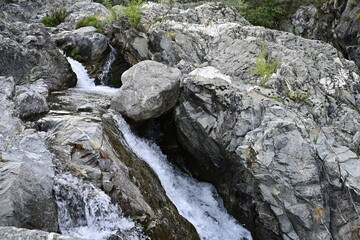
[
  {"x": 133, "y": 12},
  {"x": 268, "y": 13},
  {"x": 265, "y": 65},
  {"x": 107, "y": 4},
  {"x": 90, "y": 21},
  {"x": 55, "y": 18}
]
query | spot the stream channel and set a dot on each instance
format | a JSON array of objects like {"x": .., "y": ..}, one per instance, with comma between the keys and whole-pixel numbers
[{"x": 86, "y": 211}]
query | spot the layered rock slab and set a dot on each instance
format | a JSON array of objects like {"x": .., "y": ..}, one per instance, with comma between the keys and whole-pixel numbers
[{"x": 26, "y": 171}]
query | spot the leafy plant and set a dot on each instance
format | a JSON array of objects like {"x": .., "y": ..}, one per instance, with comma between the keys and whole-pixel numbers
[
  {"x": 54, "y": 18},
  {"x": 90, "y": 21},
  {"x": 358, "y": 16},
  {"x": 265, "y": 65},
  {"x": 107, "y": 4},
  {"x": 133, "y": 12}
]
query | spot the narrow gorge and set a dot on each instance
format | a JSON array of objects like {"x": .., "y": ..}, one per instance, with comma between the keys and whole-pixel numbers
[{"x": 193, "y": 124}]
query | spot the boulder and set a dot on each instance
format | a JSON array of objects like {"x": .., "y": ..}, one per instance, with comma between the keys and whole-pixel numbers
[
  {"x": 149, "y": 89},
  {"x": 30, "y": 100},
  {"x": 13, "y": 233}
]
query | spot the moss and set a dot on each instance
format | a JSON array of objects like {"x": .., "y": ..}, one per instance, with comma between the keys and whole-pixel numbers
[
  {"x": 90, "y": 21},
  {"x": 74, "y": 52}
]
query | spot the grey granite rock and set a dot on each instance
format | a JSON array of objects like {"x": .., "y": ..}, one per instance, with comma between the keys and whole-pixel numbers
[
  {"x": 149, "y": 89},
  {"x": 26, "y": 171},
  {"x": 261, "y": 143},
  {"x": 12, "y": 233}
]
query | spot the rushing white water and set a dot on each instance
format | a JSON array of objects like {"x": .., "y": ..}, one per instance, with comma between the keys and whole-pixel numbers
[
  {"x": 86, "y": 211},
  {"x": 104, "y": 76},
  {"x": 196, "y": 201},
  {"x": 84, "y": 82}
]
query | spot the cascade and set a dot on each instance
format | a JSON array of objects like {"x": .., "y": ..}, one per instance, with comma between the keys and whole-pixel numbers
[
  {"x": 86, "y": 211},
  {"x": 198, "y": 202},
  {"x": 104, "y": 76},
  {"x": 84, "y": 82}
]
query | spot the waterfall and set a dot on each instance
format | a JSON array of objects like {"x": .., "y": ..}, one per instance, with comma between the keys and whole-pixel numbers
[
  {"x": 104, "y": 76},
  {"x": 84, "y": 82},
  {"x": 198, "y": 202},
  {"x": 86, "y": 211}
]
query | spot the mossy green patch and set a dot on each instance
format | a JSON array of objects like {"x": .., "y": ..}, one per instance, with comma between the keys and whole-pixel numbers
[{"x": 90, "y": 21}]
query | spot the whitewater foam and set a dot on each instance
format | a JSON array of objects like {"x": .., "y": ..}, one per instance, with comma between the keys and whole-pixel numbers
[{"x": 198, "y": 202}]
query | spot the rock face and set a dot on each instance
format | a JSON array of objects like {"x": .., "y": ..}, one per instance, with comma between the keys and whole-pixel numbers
[
  {"x": 29, "y": 54},
  {"x": 149, "y": 89},
  {"x": 26, "y": 171},
  {"x": 88, "y": 44},
  {"x": 336, "y": 22},
  {"x": 85, "y": 45},
  {"x": 12, "y": 233},
  {"x": 282, "y": 153}
]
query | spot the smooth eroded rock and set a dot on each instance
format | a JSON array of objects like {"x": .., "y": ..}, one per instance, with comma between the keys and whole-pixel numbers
[{"x": 149, "y": 89}]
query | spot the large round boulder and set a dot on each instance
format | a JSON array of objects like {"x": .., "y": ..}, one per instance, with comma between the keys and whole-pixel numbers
[{"x": 149, "y": 89}]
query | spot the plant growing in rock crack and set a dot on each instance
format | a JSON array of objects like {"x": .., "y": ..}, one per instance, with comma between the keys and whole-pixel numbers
[
  {"x": 54, "y": 18},
  {"x": 133, "y": 11},
  {"x": 265, "y": 65},
  {"x": 90, "y": 21}
]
